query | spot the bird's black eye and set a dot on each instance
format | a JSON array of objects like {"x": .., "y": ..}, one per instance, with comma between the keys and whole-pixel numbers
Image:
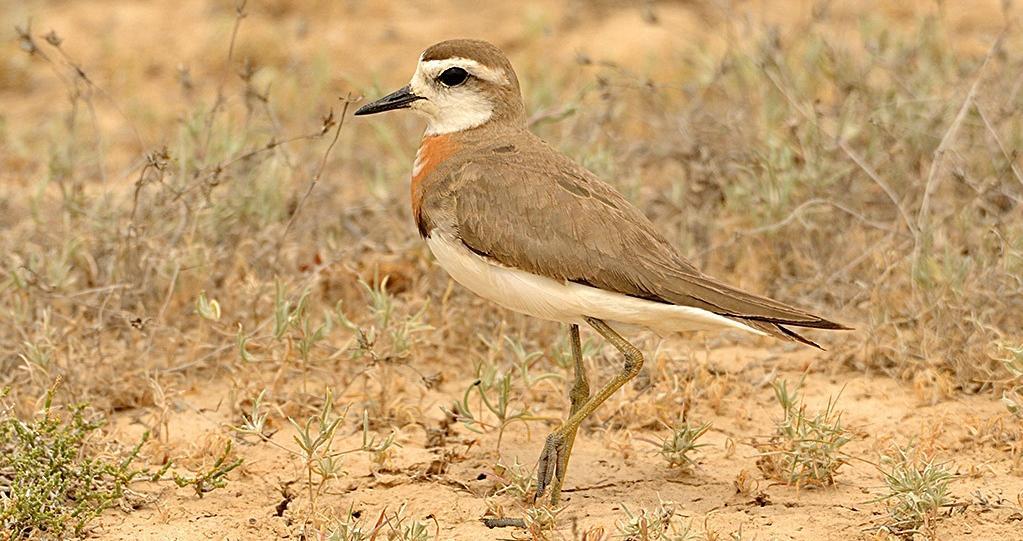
[{"x": 453, "y": 76}]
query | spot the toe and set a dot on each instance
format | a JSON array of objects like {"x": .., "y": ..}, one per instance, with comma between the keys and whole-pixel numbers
[{"x": 547, "y": 464}]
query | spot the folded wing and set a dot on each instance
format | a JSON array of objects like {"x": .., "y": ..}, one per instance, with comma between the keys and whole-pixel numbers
[{"x": 567, "y": 224}]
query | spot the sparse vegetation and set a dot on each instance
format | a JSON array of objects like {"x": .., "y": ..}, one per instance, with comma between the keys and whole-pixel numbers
[
  {"x": 213, "y": 477},
  {"x": 315, "y": 440},
  {"x": 198, "y": 242},
  {"x": 395, "y": 526},
  {"x": 502, "y": 387},
  {"x": 390, "y": 336},
  {"x": 1012, "y": 396},
  {"x": 53, "y": 482},
  {"x": 678, "y": 447},
  {"x": 541, "y": 521},
  {"x": 805, "y": 450},
  {"x": 402, "y": 528},
  {"x": 660, "y": 524},
  {"x": 515, "y": 479},
  {"x": 917, "y": 492}
]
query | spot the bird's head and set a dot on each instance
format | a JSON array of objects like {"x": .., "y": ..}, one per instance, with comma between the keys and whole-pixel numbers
[{"x": 458, "y": 85}]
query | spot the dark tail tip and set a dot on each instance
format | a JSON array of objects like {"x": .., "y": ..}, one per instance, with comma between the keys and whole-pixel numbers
[{"x": 793, "y": 335}]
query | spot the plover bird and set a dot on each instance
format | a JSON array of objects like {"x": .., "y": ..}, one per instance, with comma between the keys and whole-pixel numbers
[{"x": 521, "y": 224}]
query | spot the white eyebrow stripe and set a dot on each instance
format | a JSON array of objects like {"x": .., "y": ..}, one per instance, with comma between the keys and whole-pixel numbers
[{"x": 436, "y": 67}]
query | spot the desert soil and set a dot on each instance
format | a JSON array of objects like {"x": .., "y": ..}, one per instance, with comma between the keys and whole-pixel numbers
[{"x": 613, "y": 467}]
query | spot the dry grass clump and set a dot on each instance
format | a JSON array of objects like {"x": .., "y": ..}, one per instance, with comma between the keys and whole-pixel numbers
[
  {"x": 806, "y": 450},
  {"x": 660, "y": 524},
  {"x": 678, "y": 447},
  {"x": 1012, "y": 358},
  {"x": 515, "y": 479},
  {"x": 395, "y": 526},
  {"x": 917, "y": 492}
]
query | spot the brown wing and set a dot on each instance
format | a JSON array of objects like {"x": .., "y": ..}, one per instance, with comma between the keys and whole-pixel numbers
[{"x": 554, "y": 218}]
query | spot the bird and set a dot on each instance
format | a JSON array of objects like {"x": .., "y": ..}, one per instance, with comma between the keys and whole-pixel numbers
[{"x": 519, "y": 223}]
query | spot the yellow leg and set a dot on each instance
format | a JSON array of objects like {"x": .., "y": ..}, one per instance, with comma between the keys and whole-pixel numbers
[
  {"x": 578, "y": 395},
  {"x": 553, "y": 461}
]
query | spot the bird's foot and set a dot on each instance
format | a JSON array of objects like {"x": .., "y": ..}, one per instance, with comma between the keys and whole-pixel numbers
[{"x": 548, "y": 465}]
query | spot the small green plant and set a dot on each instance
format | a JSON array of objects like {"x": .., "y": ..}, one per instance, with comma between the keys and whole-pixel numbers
[
  {"x": 294, "y": 326},
  {"x": 310, "y": 334},
  {"x": 805, "y": 451},
  {"x": 917, "y": 491},
  {"x": 495, "y": 388},
  {"x": 315, "y": 439},
  {"x": 678, "y": 447},
  {"x": 242, "y": 341},
  {"x": 661, "y": 524},
  {"x": 401, "y": 528},
  {"x": 211, "y": 478},
  {"x": 394, "y": 526},
  {"x": 254, "y": 422},
  {"x": 52, "y": 482},
  {"x": 286, "y": 312},
  {"x": 540, "y": 520},
  {"x": 349, "y": 529},
  {"x": 388, "y": 337},
  {"x": 38, "y": 355},
  {"x": 515, "y": 479}
]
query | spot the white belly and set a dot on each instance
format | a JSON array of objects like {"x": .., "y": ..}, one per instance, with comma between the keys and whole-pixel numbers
[{"x": 566, "y": 302}]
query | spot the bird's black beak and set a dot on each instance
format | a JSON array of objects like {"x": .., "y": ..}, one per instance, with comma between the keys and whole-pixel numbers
[{"x": 399, "y": 99}]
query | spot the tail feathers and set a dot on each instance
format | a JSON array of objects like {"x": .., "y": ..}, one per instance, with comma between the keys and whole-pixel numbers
[
  {"x": 778, "y": 329},
  {"x": 818, "y": 323},
  {"x": 794, "y": 336}
]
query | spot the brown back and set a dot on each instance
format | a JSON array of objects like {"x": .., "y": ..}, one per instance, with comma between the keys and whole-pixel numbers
[{"x": 523, "y": 204}]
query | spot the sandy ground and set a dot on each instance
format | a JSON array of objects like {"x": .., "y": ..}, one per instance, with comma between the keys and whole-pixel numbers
[{"x": 608, "y": 470}]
